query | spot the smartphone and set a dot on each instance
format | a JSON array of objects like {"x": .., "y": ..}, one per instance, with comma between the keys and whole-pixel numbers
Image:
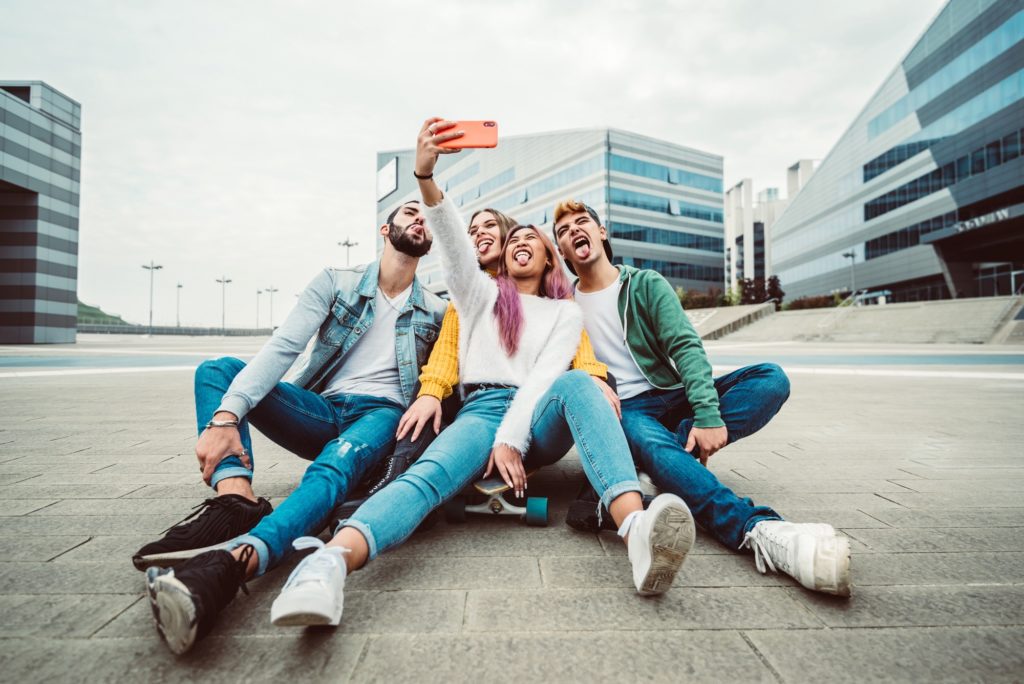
[{"x": 478, "y": 134}]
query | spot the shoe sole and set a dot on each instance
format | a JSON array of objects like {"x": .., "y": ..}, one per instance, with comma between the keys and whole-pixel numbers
[
  {"x": 832, "y": 567},
  {"x": 171, "y": 558},
  {"x": 304, "y": 611},
  {"x": 672, "y": 537},
  {"x": 173, "y": 609}
]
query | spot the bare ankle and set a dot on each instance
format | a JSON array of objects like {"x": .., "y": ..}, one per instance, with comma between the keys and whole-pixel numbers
[
  {"x": 236, "y": 485},
  {"x": 252, "y": 563}
]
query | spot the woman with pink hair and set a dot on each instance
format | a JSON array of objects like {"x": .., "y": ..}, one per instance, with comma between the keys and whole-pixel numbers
[{"x": 517, "y": 334}]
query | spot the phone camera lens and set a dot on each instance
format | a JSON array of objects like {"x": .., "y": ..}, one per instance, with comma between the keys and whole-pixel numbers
[{"x": 488, "y": 124}]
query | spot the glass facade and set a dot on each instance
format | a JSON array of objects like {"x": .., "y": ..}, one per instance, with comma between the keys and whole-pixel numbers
[
  {"x": 662, "y": 203},
  {"x": 937, "y": 146},
  {"x": 40, "y": 167},
  {"x": 1009, "y": 34}
]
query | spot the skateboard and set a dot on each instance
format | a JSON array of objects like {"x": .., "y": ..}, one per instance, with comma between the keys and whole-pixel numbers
[{"x": 490, "y": 496}]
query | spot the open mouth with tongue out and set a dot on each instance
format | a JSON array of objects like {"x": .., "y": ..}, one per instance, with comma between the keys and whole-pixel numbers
[
  {"x": 581, "y": 246},
  {"x": 522, "y": 255},
  {"x": 484, "y": 244}
]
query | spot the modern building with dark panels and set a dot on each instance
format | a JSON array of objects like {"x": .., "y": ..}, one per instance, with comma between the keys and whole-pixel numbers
[
  {"x": 924, "y": 194},
  {"x": 40, "y": 163},
  {"x": 661, "y": 202}
]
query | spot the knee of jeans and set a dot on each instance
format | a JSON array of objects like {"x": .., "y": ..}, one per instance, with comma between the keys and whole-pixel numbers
[
  {"x": 778, "y": 379},
  {"x": 571, "y": 382},
  {"x": 226, "y": 366}
]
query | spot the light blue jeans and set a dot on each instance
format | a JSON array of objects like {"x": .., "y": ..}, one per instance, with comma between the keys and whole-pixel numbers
[{"x": 459, "y": 455}]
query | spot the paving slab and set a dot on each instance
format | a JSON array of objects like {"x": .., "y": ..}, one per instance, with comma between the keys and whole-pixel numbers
[
  {"x": 662, "y": 656},
  {"x": 974, "y": 654}
]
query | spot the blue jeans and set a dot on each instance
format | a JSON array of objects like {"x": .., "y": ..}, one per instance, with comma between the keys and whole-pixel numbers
[
  {"x": 457, "y": 457},
  {"x": 575, "y": 410},
  {"x": 657, "y": 424},
  {"x": 343, "y": 436}
]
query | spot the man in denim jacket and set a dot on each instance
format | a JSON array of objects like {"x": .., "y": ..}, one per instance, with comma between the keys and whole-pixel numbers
[{"x": 365, "y": 331}]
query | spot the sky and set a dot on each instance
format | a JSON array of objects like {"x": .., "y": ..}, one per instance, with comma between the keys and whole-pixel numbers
[{"x": 228, "y": 139}]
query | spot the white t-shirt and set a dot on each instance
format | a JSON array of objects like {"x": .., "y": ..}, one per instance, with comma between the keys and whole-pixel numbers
[
  {"x": 371, "y": 366},
  {"x": 601, "y": 319}
]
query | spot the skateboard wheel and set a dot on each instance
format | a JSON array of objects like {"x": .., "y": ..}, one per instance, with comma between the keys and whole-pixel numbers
[
  {"x": 455, "y": 510},
  {"x": 537, "y": 511}
]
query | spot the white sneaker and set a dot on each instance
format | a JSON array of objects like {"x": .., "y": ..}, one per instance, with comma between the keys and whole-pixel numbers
[
  {"x": 811, "y": 553},
  {"x": 659, "y": 539},
  {"x": 314, "y": 592}
]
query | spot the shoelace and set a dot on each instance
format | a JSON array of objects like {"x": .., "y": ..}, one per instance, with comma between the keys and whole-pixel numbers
[
  {"x": 761, "y": 554},
  {"x": 242, "y": 566},
  {"x": 202, "y": 508},
  {"x": 317, "y": 566}
]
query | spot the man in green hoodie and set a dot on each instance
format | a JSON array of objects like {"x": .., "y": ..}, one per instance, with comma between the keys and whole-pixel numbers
[{"x": 639, "y": 329}]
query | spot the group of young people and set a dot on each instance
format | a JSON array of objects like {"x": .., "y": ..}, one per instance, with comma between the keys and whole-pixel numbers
[{"x": 609, "y": 363}]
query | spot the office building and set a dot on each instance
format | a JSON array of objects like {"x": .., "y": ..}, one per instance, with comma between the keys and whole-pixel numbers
[
  {"x": 40, "y": 162},
  {"x": 661, "y": 202},
  {"x": 923, "y": 196},
  {"x": 748, "y": 224}
]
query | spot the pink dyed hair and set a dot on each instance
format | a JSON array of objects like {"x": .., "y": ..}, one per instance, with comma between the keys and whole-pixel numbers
[{"x": 509, "y": 308}]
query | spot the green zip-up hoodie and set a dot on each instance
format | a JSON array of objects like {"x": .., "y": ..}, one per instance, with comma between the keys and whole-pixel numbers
[{"x": 663, "y": 342}]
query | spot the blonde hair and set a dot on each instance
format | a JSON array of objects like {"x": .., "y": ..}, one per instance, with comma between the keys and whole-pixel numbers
[{"x": 571, "y": 206}]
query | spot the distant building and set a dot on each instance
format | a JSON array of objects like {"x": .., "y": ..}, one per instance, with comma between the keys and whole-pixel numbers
[
  {"x": 40, "y": 163},
  {"x": 748, "y": 224},
  {"x": 924, "y": 194},
  {"x": 661, "y": 202}
]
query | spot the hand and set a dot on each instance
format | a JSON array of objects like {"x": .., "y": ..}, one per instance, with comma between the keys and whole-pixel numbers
[
  {"x": 424, "y": 410},
  {"x": 610, "y": 395},
  {"x": 427, "y": 147},
  {"x": 216, "y": 444},
  {"x": 509, "y": 463},
  {"x": 708, "y": 440}
]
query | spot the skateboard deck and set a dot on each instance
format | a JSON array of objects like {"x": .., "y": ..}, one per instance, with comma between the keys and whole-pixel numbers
[{"x": 496, "y": 501}]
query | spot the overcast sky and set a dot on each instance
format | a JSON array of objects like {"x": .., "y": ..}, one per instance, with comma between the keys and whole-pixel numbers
[{"x": 239, "y": 139}]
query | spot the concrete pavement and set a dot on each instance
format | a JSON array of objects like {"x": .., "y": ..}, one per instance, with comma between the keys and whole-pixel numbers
[{"x": 922, "y": 472}]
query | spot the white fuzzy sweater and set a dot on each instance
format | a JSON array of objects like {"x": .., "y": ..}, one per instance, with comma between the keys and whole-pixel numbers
[{"x": 551, "y": 330}]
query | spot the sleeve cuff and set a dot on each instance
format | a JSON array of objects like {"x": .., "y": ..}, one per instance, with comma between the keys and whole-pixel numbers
[
  {"x": 438, "y": 390},
  {"x": 708, "y": 418},
  {"x": 234, "y": 404}
]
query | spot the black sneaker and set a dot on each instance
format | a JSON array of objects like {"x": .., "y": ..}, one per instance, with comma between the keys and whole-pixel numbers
[
  {"x": 220, "y": 519},
  {"x": 582, "y": 514},
  {"x": 186, "y": 600}
]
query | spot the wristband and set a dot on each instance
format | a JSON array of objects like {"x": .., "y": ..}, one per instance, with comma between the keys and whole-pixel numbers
[
  {"x": 222, "y": 423},
  {"x": 427, "y": 177}
]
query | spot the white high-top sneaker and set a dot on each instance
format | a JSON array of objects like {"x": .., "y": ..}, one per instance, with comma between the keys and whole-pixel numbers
[
  {"x": 811, "y": 553},
  {"x": 314, "y": 592},
  {"x": 659, "y": 539}
]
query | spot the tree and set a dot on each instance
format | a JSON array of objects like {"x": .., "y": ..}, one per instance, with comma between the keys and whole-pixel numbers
[{"x": 775, "y": 292}]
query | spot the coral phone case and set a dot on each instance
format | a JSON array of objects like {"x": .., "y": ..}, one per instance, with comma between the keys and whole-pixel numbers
[{"x": 478, "y": 134}]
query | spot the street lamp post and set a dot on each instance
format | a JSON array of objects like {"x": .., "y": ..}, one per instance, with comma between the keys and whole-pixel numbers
[
  {"x": 271, "y": 290},
  {"x": 258, "y": 293},
  {"x": 177, "y": 310},
  {"x": 348, "y": 245},
  {"x": 223, "y": 280},
  {"x": 852, "y": 256},
  {"x": 152, "y": 267}
]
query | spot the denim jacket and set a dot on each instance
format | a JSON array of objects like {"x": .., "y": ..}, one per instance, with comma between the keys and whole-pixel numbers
[{"x": 332, "y": 313}]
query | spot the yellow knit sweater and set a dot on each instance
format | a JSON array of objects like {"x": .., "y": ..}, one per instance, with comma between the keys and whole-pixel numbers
[{"x": 441, "y": 373}]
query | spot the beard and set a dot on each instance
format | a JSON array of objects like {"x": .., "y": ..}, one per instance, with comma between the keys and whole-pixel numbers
[{"x": 408, "y": 245}]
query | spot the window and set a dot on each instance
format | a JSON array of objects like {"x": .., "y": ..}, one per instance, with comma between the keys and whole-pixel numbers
[
  {"x": 993, "y": 155},
  {"x": 1011, "y": 146}
]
